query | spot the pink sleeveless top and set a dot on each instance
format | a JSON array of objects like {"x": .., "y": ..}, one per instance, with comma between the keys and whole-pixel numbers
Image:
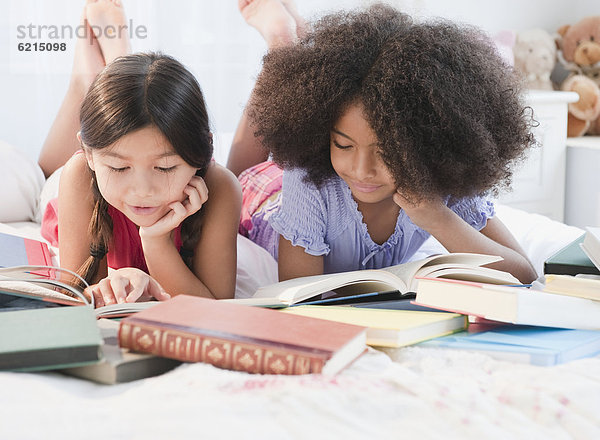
[{"x": 125, "y": 250}]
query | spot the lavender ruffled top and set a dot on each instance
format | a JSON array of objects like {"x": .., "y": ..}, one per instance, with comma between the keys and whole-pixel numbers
[{"x": 326, "y": 221}]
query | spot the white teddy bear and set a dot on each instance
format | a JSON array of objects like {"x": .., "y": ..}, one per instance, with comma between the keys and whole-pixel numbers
[{"x": 535, "y": 57}]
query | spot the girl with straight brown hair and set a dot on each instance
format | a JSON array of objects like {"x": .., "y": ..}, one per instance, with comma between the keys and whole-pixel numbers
[{"x": 143, "y": 195}]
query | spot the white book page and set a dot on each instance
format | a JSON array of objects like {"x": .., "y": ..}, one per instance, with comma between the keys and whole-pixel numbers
[
  {"x": 299, "y": 289},
  {"x": 421, "y": 268},
  {"x": 28, "y": 289}
]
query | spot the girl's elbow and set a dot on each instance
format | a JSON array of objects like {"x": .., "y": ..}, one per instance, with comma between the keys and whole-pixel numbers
[{"x": 527, "y": 274}]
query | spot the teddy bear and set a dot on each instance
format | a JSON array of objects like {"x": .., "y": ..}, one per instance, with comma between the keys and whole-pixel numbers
[
  {"x": 579, "y": 54},
  {"x": 535, "y": 56}
]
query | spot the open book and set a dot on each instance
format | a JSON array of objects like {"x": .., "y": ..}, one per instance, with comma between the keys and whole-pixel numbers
[
  {"x": 25, "y": 287},
  {"x": 401, "y": 277}
]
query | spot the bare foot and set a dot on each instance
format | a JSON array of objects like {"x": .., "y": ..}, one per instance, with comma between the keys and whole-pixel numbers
[
  {"x": 88, "y": 60},
  {"x": 107, "y": 21},
  {"x": 301, "y": 26},
  {"x": 271, "y": 18}
]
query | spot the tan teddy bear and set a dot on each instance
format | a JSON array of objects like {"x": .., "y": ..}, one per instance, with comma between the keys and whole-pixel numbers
[
  {"x": 579, "y": 53},
  {"x": 535, "y": 57}
]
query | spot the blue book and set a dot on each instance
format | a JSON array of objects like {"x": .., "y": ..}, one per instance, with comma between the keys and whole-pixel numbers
[{"x": 528, "y": 344}]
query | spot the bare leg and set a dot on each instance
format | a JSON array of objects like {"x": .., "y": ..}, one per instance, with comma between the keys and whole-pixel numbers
[
  {"x": 108, "y": 22},
  {"x": 61, "y": 141},
  {"x": 278, "y": 27},
  {"x": 301, "y": 26},
  {"x": 271, "y": 18}
]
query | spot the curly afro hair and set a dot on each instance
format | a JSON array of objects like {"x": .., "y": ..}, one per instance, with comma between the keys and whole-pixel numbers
[{"x": 444, "y": 106}]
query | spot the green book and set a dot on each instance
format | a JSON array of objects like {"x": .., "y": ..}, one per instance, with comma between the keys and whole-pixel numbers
[
  {"x": 570, "y": 260},
  {"x": 46, "y": 339}
]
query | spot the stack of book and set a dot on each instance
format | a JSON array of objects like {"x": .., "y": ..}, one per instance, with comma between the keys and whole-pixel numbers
[
  {"x": 35, "y": 338},
  {"x": 301, "y": 338},
  {"x": 42, "y": 331},
  {"x": 539, "y": 327},
  {"x": 554, "y": 325},
  {"x": 321, "y": 324}
]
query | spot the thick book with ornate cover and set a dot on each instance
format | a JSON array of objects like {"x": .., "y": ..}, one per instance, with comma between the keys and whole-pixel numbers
[{"x": 251, "y": 339}]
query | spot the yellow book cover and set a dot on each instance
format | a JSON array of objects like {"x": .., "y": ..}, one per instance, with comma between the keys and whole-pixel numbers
[
  {"x": 388, "y": 328},
  {"x": 573, "y": 286}
]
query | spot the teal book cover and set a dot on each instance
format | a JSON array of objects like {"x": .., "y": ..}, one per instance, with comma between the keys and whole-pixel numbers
[
  {"x": 528, "y": 344},
  {"x": 570, "y": 260},
  {"x": 44, "y": 339}
]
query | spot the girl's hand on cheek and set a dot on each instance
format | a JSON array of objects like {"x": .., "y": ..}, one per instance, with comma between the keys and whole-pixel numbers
[
  {"x": 424, "y": 213},
  {"x": 197, "y": 194},
  {"x": 126, "y": 285}
]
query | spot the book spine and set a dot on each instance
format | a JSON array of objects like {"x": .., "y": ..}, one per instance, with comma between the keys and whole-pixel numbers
[
  {"x": 222, "y": 353},
  {"x": 38, "y": 253}
]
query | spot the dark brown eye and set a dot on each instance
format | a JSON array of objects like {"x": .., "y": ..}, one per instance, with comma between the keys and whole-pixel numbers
[{"x": 592, "y": 38}]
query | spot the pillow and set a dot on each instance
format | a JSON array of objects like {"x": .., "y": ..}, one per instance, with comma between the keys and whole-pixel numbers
[
  {"x": 255, "y": 268},
  {"x": 21, "y": 181},
  {"x": 49, "y": 192},
  {"x": 539, "y": 236}
]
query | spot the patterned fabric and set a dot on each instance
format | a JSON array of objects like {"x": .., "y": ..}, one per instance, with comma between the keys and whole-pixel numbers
[
  {"x": 259, "y": 183},
  {"x": 326, "y": 221}
]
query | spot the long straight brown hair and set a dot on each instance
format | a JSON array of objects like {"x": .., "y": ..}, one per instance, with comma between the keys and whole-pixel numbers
[{"x": 133, "y": 92}]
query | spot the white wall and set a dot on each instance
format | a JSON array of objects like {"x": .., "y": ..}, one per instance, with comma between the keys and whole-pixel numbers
[{"x": 210, "y": 37}]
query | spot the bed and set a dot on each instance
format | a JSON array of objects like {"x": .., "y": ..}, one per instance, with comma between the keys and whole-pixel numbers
[{"x": 413, "y": 391}]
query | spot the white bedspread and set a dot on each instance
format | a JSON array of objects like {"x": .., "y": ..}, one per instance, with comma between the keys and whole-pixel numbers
[{"x": 425, "y": 393}]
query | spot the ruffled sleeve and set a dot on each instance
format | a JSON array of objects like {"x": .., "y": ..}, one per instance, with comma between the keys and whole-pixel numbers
[
  {"x": 474, "y": 210},
  {"x": 302, "y": 216}
]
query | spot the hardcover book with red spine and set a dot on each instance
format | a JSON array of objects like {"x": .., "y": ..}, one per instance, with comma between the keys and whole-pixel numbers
[{"x": 237, "y": 337}]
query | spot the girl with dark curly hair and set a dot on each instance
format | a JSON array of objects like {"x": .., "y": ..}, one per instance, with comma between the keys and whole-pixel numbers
[
  {"x": 388, "y": 130},
  {"x": 142, "y": 195}
]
